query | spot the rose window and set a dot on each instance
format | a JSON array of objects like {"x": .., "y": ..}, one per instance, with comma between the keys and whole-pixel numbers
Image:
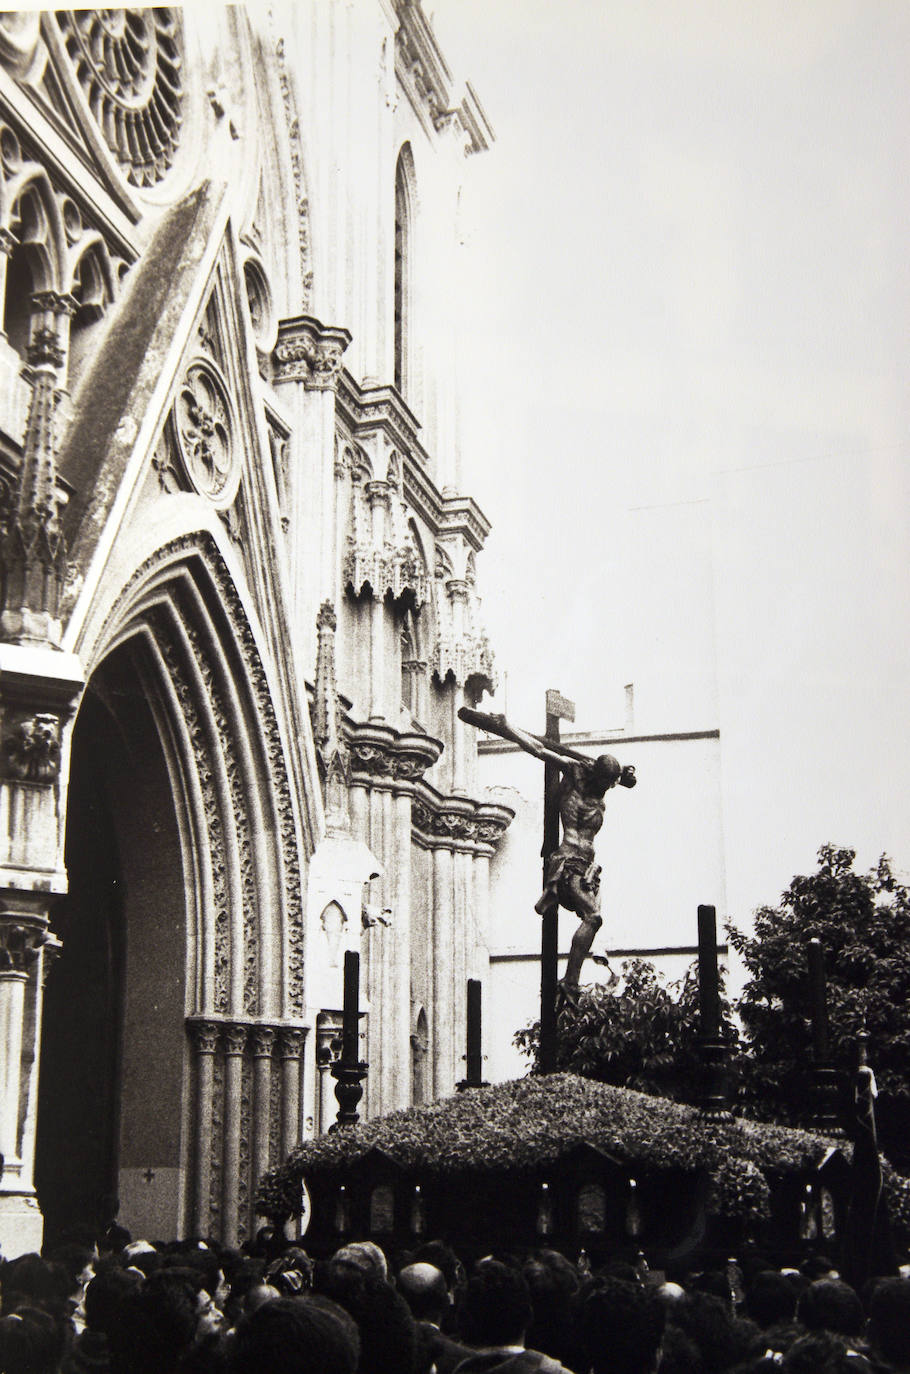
[
  {"x": 128, "y": 63},
  {"x": 202, "y": 420}
]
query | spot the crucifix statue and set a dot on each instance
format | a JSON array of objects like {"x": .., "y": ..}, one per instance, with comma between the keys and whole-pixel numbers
[{"x": 571, "y": 876}]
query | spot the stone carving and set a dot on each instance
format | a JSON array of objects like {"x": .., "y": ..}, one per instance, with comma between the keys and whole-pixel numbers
[
  {"x": 437, "y": 823},
  {"x": 326, "y": 718},
  {"x": 290, "y": 1041},
  {"x": 20, "y": 944},
  {"x": 203, "y": 426},
  {"x": 275, "y": 1115},
  {"x": 462, "y": 649},
  {"x": 303, "y": 208},
  {"x": 164, "y": 463},
  {"x": 245, "y": 1152},
  {"x": 204, "y": 547},
  {"x": 128, "y": 63},
  {"x": 33, "y": 749},
  {"x": 205, "y": 1036},
  {"x": 214, "y": 823},
  {"x": 306, "y": 357},
  {"x": 262, "y": 1041},
  {"x": 19, "y": 34},
  {"x": 385, "y": 762},
  {"x": 244, "y": 847},
  {"x": 216, "y": 1146},
  {"x": 383, "y": 554},
  {"x": 235, "y": 1037}
]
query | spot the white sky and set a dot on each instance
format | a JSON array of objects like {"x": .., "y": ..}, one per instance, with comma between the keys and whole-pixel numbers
[{"x": 690, "y": 245}]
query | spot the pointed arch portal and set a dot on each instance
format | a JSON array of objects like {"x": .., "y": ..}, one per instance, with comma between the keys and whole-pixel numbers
[{"x": 173, "y": 1035}]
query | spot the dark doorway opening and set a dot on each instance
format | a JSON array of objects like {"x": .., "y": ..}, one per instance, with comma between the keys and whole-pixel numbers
[{"x": 111, "y": 1071}]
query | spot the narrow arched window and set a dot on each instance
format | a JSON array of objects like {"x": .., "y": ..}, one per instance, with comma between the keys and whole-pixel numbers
[{"x": 402, "y": 270}]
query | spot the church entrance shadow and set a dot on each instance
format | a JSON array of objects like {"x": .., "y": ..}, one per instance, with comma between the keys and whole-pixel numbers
[{"x": 112, "y": 1056}]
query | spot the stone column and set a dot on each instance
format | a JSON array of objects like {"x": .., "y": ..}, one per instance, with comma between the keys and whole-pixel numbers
[
  {"x": 400, "y": 1089},
  {"x": 234, "y": 1044},
  {"x": 481, "y": 962},
  {"x": 7, "y": 244},
  {"x": 328, "y": 1032},
  {"x": 444, "y": 1075},
  {"x": 262, "y": 1039},
  {"x": 290, "y": 1053},
  {"x": 39, "y": 687},
  {"x": 308, "y": 358},
  {"x": 204, "y": 1035},
  {"x": 20, "y": 945}
]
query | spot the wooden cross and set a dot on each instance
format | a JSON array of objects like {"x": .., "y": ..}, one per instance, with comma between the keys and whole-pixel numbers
[{"x": 558, "y": 708}]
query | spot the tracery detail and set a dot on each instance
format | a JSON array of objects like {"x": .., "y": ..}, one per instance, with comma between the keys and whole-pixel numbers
[{"x": 128, "y": 63}]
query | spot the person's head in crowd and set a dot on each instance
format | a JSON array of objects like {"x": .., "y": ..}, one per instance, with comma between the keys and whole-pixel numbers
[
  {"x": 32, "y": 1341},
  {"x": 103, "y": 1296},
  {"x": 206, "y": 1264},
  {"x": 621, "y": 1328},
  {"x": 670, "y": 1293},
  {"x": 156, "y": 1325},
  {"x": 714, "y": 1281},
  {"x": 679, "y": 1354},
  {"x": 721, "y": 1339},
  {"x": 142, "y": 1255},
  {"x": 553, "y": 1283},
  {"x": 495, "y": 1307},
  {"x": 363, "y": 1254},
  {"x": 290, "y": 1335},
  {"x": 388, "y": 1335},
  {"x": 267, "y": 1244},
  {"x": 831, "y": 1305},
  {"x": 30, "y": 1281},
  {"x": 113, "y": 1239},
  {"x": 436, "y": 1252},
  {"x": 822, "y": 1352},
  {"x": 423, "y": 1288},
  {"x": 889, "y": 1322},
  {"x": 245, "y": 1279},
  {"x": 291, "y": 1273},
  {"x": 770, "y": 1298},
  {"x": 818, "y": 1267}
]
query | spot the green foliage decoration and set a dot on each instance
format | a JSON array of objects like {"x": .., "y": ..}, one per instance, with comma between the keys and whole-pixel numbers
[
  {"x": 640, "y": 1035},
  {"x": 531, "y": 1123}
]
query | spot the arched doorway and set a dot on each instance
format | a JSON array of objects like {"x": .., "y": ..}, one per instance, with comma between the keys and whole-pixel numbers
[{"x": 113, "y": 1046}]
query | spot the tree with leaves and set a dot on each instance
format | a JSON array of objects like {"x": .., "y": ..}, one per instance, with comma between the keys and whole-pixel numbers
[
  {"x": 638, "y": 1033},
  {"x": 863, "y": 923}
]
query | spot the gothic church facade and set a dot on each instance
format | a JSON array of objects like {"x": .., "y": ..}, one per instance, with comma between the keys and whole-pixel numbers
[{"x": 239, "y": 608}]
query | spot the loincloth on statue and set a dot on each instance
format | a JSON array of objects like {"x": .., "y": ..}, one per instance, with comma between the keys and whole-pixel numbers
[{"x": 564, "y": 866}]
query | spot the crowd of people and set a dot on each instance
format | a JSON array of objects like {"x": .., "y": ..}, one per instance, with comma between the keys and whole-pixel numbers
[{"x": 128, "y": 1306}]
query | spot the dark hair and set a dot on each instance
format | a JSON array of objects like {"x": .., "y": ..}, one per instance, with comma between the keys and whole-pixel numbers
[
  {"x": 831, "y": 1305},
  {"x": 388, "y": 1336},
  {"x": 622, "y": 1325},
  {"x": 443, "y": 1257},
  {"x": 496, "y": 1306},
  {"x": 155, "y": 1324},
  {"x": 889, "y": 1319},
  {"x": 31, "y": 1342},
  {"x": 820, "y": 1352},
  {"x": 552, "y": 1282},
  {"x": 289, "y": 1334},
  {"x": 721, "y": 1340},
  {"x": 103, "y": 1296},
  {"x": 770, "y": 1298}
]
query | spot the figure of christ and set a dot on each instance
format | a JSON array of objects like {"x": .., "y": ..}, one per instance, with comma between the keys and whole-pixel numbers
[{"x": 572, "y": 876}]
